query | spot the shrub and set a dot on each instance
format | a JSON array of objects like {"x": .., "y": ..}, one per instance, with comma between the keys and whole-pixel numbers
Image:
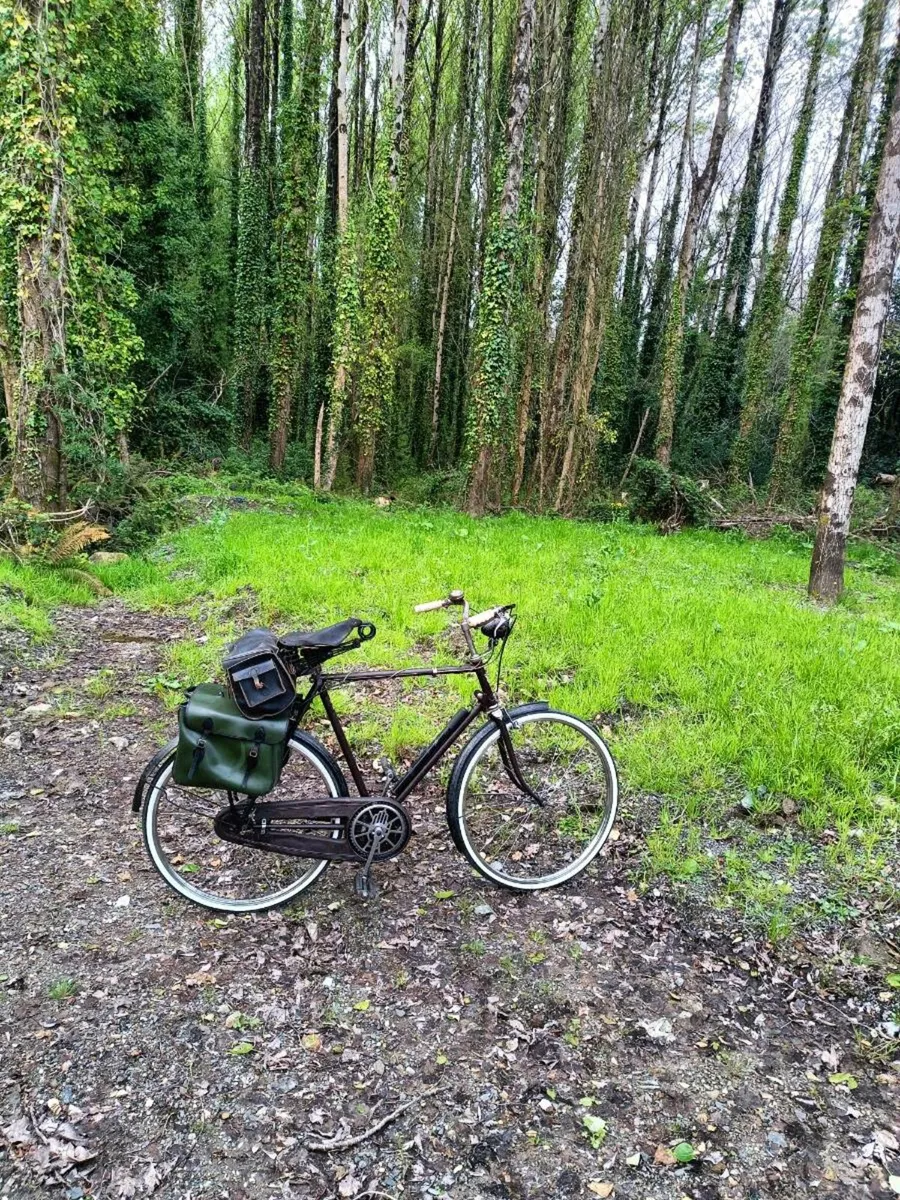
[{"x": 655, "y": 493}]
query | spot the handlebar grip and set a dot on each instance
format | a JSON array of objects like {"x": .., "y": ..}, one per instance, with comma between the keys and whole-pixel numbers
[
  {"x": 431, "y": 605},
  {"x": 482, "y": 617}
]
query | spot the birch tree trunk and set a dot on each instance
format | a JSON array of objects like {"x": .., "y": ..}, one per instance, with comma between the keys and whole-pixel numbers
[
  {"x": 701, "y": 191},
  {"x": 826, "y": 580},
  {"x": 808, "y": 363}
]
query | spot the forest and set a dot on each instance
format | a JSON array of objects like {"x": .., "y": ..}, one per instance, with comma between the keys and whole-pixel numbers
[{"x": 587, "y": 257}]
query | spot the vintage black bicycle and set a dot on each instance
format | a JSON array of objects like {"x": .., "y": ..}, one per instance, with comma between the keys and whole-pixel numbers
[{"x": 531, "y": 800}]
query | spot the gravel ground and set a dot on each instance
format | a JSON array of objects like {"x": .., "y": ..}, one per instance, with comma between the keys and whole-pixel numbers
[{"x": 463, "y": 1045}]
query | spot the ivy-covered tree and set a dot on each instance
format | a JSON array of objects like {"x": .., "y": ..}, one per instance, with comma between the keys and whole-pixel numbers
[
  {"x": 492, "y": 351},
  {"x": 68, "y": 75}
]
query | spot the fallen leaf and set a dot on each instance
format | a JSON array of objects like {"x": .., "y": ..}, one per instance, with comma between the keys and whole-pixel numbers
[
  {"x": 599, "y": 1188},
  {"x": 845, "y": 1078},
  {"x": 361, "y": 1005},
  {"x": 664, "y": 1156},
  {"x": 311, "y": 1041},
  {"x": 200, "y": 979},
  {"x": 240, "y": 1048}
]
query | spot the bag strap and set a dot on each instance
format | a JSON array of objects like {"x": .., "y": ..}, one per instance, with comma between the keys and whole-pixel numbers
[
  {"x": 200, "y": 749},
  {"x": 259, "y": 738}
]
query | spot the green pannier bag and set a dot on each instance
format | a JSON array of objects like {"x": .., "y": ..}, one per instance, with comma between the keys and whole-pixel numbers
[{"x": 220, "y": 748}]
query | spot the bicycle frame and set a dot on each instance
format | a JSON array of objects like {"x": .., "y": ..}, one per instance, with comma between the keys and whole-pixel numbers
[{"x": 484, "y": 704}]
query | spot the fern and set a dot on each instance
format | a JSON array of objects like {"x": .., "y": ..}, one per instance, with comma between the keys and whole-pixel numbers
[{"x": 76, "y": 538}]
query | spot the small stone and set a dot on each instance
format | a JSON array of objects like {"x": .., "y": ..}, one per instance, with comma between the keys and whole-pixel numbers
[
  {"x": 483, "y": 910},
  {"x": 633, "y": 1160},
  {"x": 659, "y": 1030},
  {"x": 120, "y": 743},
  {"x": 13, "y": 741},
  {"x": 37, "y": 710},
  {"x": 107, "y": 558},
  {"x": 123, "y": 902},
  {"x": 776, "y": 1140}
]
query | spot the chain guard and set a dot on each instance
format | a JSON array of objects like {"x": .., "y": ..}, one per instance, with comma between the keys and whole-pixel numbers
[{"x": 314, "y": 828}]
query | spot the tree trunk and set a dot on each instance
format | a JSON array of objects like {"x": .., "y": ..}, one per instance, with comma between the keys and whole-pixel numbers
[
  {"x": 40, "y": 265},
  {"x": 553, "y": 122},
  {"x": 444, "y": 296},
  {"x": 343, "y": 333},
  {"x": 379, "y": 287},
  {"x": 298, "y": 187},
  {"x": 359, "y": 96},
  {"x": 490, "y": 375},
  {"x": 769, "y": 305},
  {"x": 253, "y": 221},
  {"x": 808, "y": 366},
  {"x": 738, "y": 265},
  {"x": 701, "y": 190},
  {"x": 398, "y": 86},
  {"x": 826, "y": 580}
]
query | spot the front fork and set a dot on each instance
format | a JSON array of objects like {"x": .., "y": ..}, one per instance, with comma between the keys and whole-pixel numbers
[{"x": 509, "y": 756}]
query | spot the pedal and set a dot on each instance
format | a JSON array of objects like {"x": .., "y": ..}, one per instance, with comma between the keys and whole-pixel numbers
[{"x": 364, "y": 885}]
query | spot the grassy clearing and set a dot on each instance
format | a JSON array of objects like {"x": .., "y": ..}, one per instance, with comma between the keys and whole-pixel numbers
[
  {"x": 738, "y": 681},
  {"x": 718, "y": 680}
]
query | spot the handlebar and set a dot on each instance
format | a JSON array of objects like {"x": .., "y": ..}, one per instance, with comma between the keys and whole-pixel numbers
[
  {"x": 482, "y": 618},
  {"x": 456, "y": 597},
  {"x": 430, "y": 605}
]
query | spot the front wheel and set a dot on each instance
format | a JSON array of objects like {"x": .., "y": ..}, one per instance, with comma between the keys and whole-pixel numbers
[{"x": 530, "y": 842}]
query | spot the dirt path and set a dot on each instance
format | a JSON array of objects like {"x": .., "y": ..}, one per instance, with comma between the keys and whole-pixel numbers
[{"x": 200, "y": 1058}]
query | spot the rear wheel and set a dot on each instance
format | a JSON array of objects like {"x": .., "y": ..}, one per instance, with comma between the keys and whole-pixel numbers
[
  {"x": 517, "y": 841},
  {"x": 201, "y": 867}
]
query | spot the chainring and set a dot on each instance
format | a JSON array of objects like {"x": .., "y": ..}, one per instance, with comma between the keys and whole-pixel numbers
[{"x": 381, "y": 823}]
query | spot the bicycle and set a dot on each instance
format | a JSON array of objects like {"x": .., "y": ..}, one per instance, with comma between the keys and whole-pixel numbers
[{"x": 531, "y": 800}]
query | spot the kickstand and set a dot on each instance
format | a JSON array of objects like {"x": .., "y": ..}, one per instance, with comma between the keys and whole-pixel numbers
[{"x": 364, "y": 884}]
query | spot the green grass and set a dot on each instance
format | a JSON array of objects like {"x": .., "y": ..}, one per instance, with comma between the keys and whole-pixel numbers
[
  {"x": 737, "y": 681},
  {"x": 700, "y": 651},
  {"x": 29, "y": 594},
  {"x": 63, "y": 988}
]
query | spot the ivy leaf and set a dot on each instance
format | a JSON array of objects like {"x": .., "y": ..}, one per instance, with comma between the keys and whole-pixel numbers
[
  {"x": 241, "y": 1048},
  {"x": 361, "y": 1005}
]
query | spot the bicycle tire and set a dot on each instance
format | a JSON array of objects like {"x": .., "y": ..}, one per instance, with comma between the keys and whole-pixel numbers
[
  {"x": 310, "y": 749},
  {"x": 481, "y": 744}
]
